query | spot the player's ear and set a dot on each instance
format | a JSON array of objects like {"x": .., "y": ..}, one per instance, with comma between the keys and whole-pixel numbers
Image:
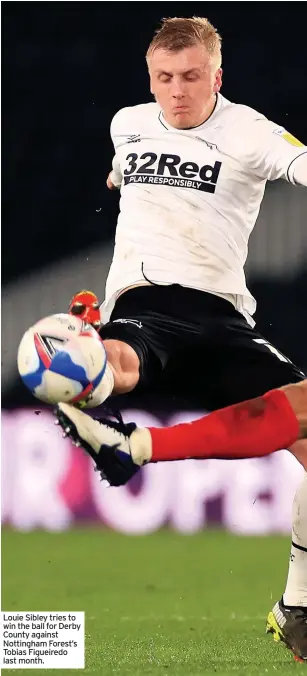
[{"x": 218, "y": 80}]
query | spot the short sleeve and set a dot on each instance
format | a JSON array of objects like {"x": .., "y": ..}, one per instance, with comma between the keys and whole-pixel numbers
[
  {"x": 116, "y": 175},
  {"x": 271, "y": 151},
  {"x": 114, "y": 127}
]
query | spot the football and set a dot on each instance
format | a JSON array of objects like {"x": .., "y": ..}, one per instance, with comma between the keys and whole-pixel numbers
[{"x": 61, "y": 358}]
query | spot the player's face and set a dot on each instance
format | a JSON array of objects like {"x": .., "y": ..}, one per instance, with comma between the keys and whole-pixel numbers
[{"x": 184, "y": 84}]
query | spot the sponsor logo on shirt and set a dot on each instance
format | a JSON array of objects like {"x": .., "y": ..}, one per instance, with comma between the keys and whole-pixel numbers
[
  {"x": 210, "y": 145},
  {"x": 170, "y": 170},
  {"x": 134, "y": 138}
]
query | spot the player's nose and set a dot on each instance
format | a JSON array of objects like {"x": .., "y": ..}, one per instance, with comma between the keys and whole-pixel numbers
[
  {"x": 178, "y": 96},
  {"x": 177, "y": 89}
]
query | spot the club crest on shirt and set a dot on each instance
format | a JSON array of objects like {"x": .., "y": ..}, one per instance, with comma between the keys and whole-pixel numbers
[{"x": 281, "y": 131}]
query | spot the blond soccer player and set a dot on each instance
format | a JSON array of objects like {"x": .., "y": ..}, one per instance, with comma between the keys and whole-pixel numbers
[{"x": 192, "y": 167}]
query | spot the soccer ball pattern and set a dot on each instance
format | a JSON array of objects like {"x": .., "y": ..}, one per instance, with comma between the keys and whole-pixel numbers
[{"x": 61, "y": 358}]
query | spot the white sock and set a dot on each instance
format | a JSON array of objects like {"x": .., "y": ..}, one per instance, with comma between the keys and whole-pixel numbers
[
  {"x": 296, "y": 588},
  {"x": 141, "y": 446}
]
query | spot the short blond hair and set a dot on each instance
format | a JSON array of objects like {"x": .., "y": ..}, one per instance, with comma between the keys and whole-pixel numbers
[{"x": 176, "y": 33}]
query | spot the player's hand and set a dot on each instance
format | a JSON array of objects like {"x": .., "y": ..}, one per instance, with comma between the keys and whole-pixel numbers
[
  {"x": 110, "y": 184},
  {"x": 85, "y": 305}
]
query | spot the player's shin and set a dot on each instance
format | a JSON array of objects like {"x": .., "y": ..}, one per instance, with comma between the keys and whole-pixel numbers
[{"x": 251, "y": 429}]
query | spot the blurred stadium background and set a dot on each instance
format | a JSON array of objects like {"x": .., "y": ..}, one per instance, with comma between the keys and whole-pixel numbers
[{"x": 67, "y": 68}]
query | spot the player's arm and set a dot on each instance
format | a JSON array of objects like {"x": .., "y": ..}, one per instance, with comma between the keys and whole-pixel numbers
[
  {"x": 115, "y": 178},
  {"x": 274, "y": 153}
]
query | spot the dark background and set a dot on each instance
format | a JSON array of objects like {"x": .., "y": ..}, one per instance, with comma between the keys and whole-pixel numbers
[{"x": 68, "y": 67}]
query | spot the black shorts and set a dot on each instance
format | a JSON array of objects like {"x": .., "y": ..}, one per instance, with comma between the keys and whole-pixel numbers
[{"x": 196, "y": 346}]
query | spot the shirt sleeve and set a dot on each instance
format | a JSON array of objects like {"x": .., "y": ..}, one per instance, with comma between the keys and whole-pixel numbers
[
  {"x": 299, "y": 170},
  {"x": 116, "y": 175},
  {"x": 272, "y": 151}
]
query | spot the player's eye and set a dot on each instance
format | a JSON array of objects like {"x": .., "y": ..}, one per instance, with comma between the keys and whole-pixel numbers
[{"x": 192, "y": 77}]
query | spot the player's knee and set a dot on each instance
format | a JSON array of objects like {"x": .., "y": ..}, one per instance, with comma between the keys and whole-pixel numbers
[
  {"x": 296, "y": 394},
  {"x": 299, "y": 450},
  {"x": 125, "y": 365}
]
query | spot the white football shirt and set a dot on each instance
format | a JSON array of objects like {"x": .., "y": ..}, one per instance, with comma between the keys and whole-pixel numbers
[{"x": 190, "y": 197}]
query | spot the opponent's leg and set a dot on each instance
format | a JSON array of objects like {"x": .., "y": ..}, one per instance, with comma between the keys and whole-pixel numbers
[
  {"x": 296, "y": 589},
  {"x": 288, "y": 619},
  {"x": 254, "y": 428}
]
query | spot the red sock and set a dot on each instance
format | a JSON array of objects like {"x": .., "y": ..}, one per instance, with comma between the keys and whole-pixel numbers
[{"x": 254, "y": 428}]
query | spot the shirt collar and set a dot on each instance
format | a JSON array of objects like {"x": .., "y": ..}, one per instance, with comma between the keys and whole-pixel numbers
[{"x": 166, "y": 125}]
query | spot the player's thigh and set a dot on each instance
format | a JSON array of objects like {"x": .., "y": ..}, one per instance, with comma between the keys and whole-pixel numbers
[
  {"x": 142, "y": 341},
  {"x": 246, "y": 365},
  {"x": 149, "y": 320},
  {"x": 125, "y": 364}
]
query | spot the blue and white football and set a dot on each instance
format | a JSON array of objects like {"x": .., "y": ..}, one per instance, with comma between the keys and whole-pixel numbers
[{"x": 61, "y": 358}]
